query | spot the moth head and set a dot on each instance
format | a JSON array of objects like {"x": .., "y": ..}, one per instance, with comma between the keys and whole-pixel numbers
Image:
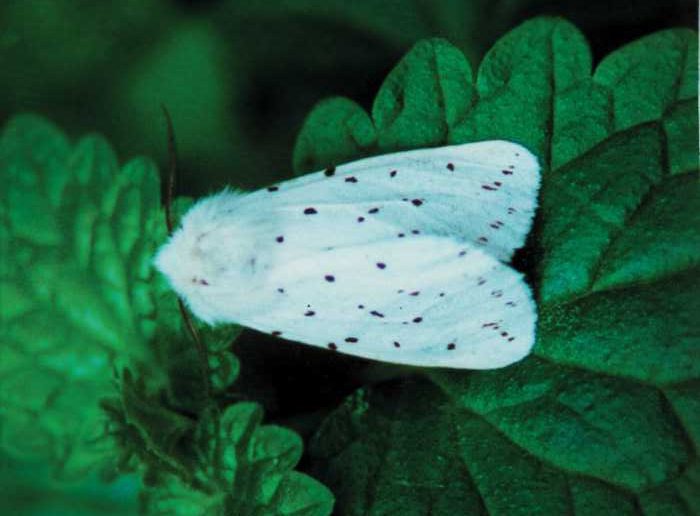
[{"x": 206, "y": 252}]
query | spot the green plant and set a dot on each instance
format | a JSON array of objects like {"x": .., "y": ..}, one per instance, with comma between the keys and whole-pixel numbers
[{"x": 97, "y": 373}]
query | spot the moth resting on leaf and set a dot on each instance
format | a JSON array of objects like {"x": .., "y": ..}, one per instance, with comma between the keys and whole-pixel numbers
[{"x": 401, "y": 258}]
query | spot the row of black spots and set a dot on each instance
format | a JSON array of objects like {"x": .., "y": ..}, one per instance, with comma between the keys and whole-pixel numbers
[
  {"x": 496, "y": 224},
  {"x": 494, "y": 326},
  {"x": 334, "y": 347},
  {"x": 496, "y": 186},
  {"x": 511, "y": 211},
  {"x": 505, "y": 335}
]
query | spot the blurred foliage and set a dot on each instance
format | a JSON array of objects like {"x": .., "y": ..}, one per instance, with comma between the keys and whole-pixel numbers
[
  {"x": 78, "y": 233},
  {"x": 239, "y": 79},
  {"x": 30, "y": 489}
]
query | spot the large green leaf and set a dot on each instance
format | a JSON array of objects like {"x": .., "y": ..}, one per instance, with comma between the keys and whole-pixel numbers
[
  {"x": 603, "y": 415},
  {"x": 77, "y": 236}
]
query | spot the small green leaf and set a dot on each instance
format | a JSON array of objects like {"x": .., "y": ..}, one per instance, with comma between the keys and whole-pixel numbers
[
  {"x": 241, "y": 468},
  {"x": 423, "y": 97},
  {"x": 337, "y": 130}
]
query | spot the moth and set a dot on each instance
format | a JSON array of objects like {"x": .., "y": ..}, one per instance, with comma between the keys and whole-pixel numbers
[{"x": 401, "y": 258}]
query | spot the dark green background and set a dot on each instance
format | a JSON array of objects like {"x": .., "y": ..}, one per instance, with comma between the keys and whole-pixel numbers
[{"x": 239, "y": 79}]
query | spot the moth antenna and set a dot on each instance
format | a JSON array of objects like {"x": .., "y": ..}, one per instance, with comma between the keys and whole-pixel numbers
[
  {"x": 172, "y": 174},
  {"x": 172, "y": 168}
]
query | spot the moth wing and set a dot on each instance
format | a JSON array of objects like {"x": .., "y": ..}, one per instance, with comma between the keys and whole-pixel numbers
[
  {"x": 484, "y": 193},
  {"x": 426, "y": 301}
]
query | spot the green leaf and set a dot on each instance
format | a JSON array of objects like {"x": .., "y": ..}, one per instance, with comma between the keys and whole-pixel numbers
[
  {"x": 337, "y": 130},
  {"x": 423, "y": 97},
  {"x": 406, "y": 448},
  {"x": 602, "y": 417},
  {"x": 235, "y": 467},
  {"x": 77, "y": 235}
]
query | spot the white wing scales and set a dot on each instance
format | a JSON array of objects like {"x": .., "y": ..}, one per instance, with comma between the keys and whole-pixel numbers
[
  {"x": 395, "y": 258},
  {"x": 423, "y": 301},
  {"x": 484, "y": 193}
]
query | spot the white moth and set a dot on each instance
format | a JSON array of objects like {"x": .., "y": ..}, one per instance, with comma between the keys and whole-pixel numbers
[{"x": 401, "y": 258}]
